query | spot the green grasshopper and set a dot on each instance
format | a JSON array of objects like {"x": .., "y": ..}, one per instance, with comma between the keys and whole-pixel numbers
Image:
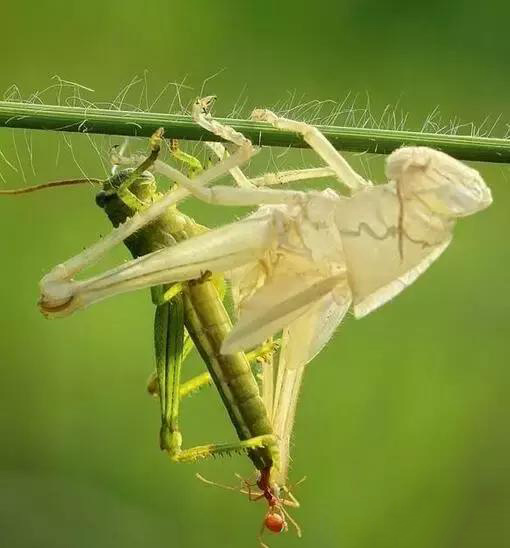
[
  {"x": 198, "y": 306},
  {"x": 280, "y": 383},
  {"x": 191, "y": 314},
  {"x": 187, "y": 314}
]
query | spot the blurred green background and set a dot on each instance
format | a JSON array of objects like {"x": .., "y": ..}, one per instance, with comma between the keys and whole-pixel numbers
[{"x": 403, "y": 424}]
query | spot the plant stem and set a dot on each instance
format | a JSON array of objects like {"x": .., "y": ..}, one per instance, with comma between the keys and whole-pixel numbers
[{"x": 143, "y": 124}]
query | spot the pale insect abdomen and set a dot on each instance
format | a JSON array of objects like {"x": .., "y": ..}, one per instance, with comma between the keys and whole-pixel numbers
[{"x": 385, "y": 252}]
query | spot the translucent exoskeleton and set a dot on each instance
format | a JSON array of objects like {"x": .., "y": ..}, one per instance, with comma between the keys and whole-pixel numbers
[{"x": 302, "y": 258}]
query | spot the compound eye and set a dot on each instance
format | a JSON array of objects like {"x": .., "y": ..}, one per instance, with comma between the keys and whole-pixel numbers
[
  {"x": 102, "y": 198},
  {"x": 275, "y": 523}
]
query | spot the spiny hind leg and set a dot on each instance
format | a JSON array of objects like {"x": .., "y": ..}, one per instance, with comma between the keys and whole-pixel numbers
[
  {"x": 169, "y": 335},
  {"x": 318, "y": 143},
  {"x": 210, "y": 450}
]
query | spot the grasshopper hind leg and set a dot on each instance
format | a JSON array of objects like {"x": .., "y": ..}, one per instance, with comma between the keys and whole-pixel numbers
[{"x": 169, "y": 337}]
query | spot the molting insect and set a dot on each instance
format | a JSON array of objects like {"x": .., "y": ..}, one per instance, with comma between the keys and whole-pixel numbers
[
  {"x": 301, "y": 254},
  {"x": 297, "y": 264},
  {"x": 190, "y": 313}
]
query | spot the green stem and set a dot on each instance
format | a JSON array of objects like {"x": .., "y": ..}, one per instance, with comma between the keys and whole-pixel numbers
[{"x": 144, "y": 124}]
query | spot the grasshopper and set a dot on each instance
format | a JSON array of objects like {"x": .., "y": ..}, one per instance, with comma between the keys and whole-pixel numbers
[
  {"x": 301, "y": 254},
  {"x": 301, "y": 260},
  {"x": 280, "y": 384},
  {"x": 192, "y": 313},
  {"x": 192, "y": 310}
]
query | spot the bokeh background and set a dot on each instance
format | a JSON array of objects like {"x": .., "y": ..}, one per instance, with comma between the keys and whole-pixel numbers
[{"x": 403, "y": 424}]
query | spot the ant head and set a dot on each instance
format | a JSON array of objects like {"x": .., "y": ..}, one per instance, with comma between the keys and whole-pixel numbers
[{"x": 275, "y": 522}]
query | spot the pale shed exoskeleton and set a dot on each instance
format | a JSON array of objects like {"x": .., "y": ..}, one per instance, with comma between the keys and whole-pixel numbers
[{"x": 302, "y": 257}]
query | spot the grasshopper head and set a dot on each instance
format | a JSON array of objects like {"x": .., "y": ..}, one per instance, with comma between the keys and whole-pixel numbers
[{"x": 143, "y": 187}]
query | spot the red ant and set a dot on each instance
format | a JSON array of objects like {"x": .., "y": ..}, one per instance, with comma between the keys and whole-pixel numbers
[{"x": 276, "y": 517}]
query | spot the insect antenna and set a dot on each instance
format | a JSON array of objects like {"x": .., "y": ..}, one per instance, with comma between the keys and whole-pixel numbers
[{"x": 51, "y": 184}]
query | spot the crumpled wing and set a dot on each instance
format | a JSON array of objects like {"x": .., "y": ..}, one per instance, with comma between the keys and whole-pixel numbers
[
  {"x": 277, "y": 303},
  {"x": 302, "y": 340},
  {"x": 283, "y": 410},
  {"x": 385, "y": 253},
  {"x": 309, "y": 333}
]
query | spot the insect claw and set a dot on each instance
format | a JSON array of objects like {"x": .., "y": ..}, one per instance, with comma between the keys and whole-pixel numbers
[
  {"x": 155, "y": 140},
  {"x": 204, "y": 104}
]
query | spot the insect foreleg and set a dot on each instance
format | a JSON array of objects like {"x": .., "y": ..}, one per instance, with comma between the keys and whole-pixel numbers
[
  {"x": 232, "y": 196},
  {"x": 57, "y": 291},
  {"x": 319, "y": 144},
  {"x": 291, "y": 176},
  {"x": 200, "y": 113},
  {"x": 191, "y": 162},
  {"x": 155, "y": 145},
  {"x": 239, "y": 177}
]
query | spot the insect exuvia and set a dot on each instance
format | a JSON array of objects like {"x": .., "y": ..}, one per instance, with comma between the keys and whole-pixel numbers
[
  {"x": 296, "y": 264},
  {"x": 301, "y": 254}
]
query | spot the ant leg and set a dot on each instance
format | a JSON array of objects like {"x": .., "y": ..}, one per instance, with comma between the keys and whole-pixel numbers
[
  {"x": 248, "y": 486},
  {"x": 291, "y": 501},
  {"x": 221, "y": 485},
  {"x": 292, "y": 521},
  {"x": 214, "y": 484},
  {"x": 261, "y": 532}
]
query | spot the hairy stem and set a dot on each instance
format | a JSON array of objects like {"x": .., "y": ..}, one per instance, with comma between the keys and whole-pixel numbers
[{"x": 144, "y": 124}]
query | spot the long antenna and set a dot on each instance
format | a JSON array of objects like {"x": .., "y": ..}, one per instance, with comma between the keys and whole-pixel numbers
[{"x": 51, "y": 184}]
